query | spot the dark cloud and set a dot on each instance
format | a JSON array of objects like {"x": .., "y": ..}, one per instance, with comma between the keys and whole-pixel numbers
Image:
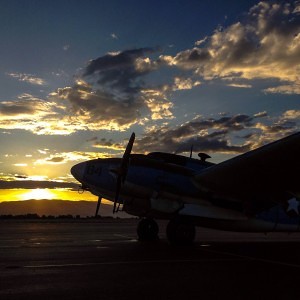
[
  {"x": 230, "y": 134},
  {"x": 281, "y": 126},
  {"x": 14, "y": 108},
  {"x": 211, "y": 135},
  {"x": 92, "y": 139},
  {"x": 31, "y": 184},
  {"x": 119, "y": 73},
  {"x": 55, "y": 159},
  {"x": 113, "y": 94},
  {"x": 233, "y": 123},
  {"x": 116, "y": 61},
  {"x": 105, "y": 143},
  {"x": 192, "y": 58},
  {"x": 100, "y": 110},
  {"x": 215, "y": 142},
  {"x": 171, "y": 141},
  {"x": 108, "y": 143},
  {"x": 20, "y": 176}
]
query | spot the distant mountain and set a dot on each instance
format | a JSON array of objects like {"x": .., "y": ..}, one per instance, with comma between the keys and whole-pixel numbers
[{"x": 56, "y": 208}]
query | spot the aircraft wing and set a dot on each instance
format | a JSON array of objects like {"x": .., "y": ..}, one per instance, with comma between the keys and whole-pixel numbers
[{"x": 258, "y": 178}]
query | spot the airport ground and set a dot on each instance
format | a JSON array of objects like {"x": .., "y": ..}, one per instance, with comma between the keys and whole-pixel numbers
[{"x": 103, "y": 260}]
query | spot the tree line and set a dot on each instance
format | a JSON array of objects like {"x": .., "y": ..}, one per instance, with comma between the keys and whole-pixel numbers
[{"x": 47, "y": 217}]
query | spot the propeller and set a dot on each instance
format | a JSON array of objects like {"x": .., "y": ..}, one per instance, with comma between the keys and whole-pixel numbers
[
  {"x": 191, "y": 151},
  {"x": 98, "y": 206},
  {"x": 122, "y": 171}
]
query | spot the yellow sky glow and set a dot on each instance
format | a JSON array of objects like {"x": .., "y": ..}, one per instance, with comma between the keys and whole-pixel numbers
[{"x": 49, "y": 194}]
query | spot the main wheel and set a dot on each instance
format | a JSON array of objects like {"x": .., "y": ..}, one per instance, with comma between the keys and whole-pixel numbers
[
  {"x": 147, "y": 230},
  {"x": 181, "y": 231}
]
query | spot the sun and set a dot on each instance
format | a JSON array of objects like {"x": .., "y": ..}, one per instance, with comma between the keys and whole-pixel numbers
[{"x": 38, "y": 194}]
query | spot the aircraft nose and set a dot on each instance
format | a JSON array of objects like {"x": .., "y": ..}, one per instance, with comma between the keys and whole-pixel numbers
[{"x": 78, "y": 171}]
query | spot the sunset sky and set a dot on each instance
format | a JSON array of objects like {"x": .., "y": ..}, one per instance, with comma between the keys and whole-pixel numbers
[{"x": 77, "y": 77}]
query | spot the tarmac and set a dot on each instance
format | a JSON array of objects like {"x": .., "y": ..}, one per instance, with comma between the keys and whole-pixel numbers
[{"x": 104, "y": 260}]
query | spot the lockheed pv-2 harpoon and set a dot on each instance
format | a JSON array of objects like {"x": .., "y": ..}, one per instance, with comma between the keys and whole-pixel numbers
[{"x": 256, "y": 192}]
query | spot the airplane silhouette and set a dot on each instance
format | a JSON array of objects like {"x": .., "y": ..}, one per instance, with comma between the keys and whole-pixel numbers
[{"x": 258, "y": 191}]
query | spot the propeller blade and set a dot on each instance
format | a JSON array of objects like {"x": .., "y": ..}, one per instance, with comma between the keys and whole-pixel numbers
[
  {"x": 118, "y": 190},
  {"x": 121, "y": 175},
  {"x": 126, "y": 156},
  {"x": 129, "y": 146},
  {"x": 98, "y": 206},
  {"x": 191, "y": 151}
]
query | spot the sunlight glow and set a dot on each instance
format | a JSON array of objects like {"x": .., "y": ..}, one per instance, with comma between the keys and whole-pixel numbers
[
  {"x": 49, "y": 194},
  {"x": 38, "y": 194}
]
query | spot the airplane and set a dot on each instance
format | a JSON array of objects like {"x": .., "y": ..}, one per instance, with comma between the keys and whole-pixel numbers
[{"x": 258, "y": 191}]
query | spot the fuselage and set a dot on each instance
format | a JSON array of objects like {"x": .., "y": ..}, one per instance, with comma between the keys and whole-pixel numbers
[
  {"x": 147, "y": 177},
  {"x": 161, "y": 185}
]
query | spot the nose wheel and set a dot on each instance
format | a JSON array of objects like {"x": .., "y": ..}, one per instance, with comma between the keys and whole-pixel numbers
[{"x": 147, "y": 230}]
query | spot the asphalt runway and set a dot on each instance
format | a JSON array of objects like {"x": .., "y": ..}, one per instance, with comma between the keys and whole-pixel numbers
[{"x": 103, "y": 260}]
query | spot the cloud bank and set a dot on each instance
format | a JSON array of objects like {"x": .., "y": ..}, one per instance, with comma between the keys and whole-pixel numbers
[
  {"x": 266, "y": 45},
  {"x": 233, "y": 134},
  {"x": 115, "y": 91}
]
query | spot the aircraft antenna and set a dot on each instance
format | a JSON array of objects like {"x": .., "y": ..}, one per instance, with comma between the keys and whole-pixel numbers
[{"x": 203, "y": 156}]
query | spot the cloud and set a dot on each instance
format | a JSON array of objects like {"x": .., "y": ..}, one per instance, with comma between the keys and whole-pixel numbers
[
  {"x": 116, "y": 91},
  {"x": 200, "y": 42},
  {"x": 227, "y": 134},
  {"x": 157, "y": 103},
  {"x": 92, "y": 139},
  {"x": 184, "y": 83},
  {"x": 204, "y": 134},
  {"x": 65, "y": 157},
  {"x": 261, "y": 114},
  {"x": 292, "y": 88},
  {"x": 20, "y": 165},
  {"x": 98, "y": 109},
  {"x": 66, "y": 47},
  {"x": 26, "y": 105},
  {"x": 36, "y": 115},
  {"x": 292, "y": 114},
  {"x": 112, "y": 93},
  {"x": 240, "y": 85},
  {"x": 56, "y": 159},
  {"x": 266, "y": 45},
  {"x": 28, "y": 78},
  {"x": 108, "y": 144},
  {"x": 114, "y": 36},
  {"x": 120, "y": 66}
]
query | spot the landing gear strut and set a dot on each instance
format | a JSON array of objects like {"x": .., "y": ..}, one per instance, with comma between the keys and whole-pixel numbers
[
  {"x": 147, "y": 230},
  {"x": 181, "y": 231}
]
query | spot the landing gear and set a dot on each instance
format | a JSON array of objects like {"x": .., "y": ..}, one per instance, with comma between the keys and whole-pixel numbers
[
  {"x": 181, "y": 231},
  {"x": 147, "y": 230}
]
